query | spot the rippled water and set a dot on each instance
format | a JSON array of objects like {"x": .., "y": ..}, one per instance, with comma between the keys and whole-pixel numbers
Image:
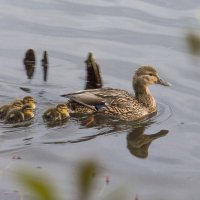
[{"x": 123, "y": 35}]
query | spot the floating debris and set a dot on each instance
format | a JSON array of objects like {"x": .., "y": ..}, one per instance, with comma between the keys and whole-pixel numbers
[
  {"x": 106, "y": 179},
  {"x": 45, "y": 65},
  {"x": 93, "y": 79},
  {"x": 15, "y": 157},
  {"x": 28, "y": 90},
  {"x": 26, "y": 139},
  {"x": 29, "y": 62}
]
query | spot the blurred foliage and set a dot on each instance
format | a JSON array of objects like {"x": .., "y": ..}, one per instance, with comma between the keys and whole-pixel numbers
[
  {"x": 193, "y": 41},
  {"x": 86, "y": 174},
  {"x": 117, "y": 194},
  {"x": 36, "y": 185}
]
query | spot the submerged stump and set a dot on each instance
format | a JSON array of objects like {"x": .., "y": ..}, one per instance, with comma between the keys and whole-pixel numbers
[
  {"x": 45, "y": 65},
  {"x": 29, "y": 62},
  {"x": 93, "y": 78}
]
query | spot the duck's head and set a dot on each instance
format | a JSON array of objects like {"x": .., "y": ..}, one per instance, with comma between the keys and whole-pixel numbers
[
  {"x": 62, "y": 108},
  {"x": 147, "y": 75},
  {"x": 29, "y": 100},
  {"x": 17, "y": 104}
]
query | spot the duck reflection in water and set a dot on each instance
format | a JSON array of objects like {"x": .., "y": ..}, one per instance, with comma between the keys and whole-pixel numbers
[{"x": 138, "y": 143}]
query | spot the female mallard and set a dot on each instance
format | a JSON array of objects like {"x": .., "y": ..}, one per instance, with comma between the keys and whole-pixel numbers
[
  {"x": 19, "y": 115},
  {"x": 119, "y": 103},
  {"x": 59, "y": 113},
  {"x": 5, "y": 109}
]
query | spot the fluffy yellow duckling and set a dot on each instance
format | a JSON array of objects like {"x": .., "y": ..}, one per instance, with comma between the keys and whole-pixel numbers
[
  {"x": 5, "y": 109},
  {"x": 59, "y": 113},
  {"x": 19, "y": 115},
  {"x": 29, "y": 100}
]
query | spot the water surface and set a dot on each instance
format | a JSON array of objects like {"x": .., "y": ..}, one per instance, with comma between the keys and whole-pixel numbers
[{"x": 123, "y": 35}]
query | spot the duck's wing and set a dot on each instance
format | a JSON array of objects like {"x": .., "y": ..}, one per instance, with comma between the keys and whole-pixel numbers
[
  {"x": 96, "y": 98},
  {"x": 87, "y": 99}
]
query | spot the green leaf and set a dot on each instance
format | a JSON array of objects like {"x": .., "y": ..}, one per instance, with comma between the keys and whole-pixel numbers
[
  {"x": 86, "y": 173},
  {"x": 193, "y": 41},
  {"x": 36, "y": 185}
]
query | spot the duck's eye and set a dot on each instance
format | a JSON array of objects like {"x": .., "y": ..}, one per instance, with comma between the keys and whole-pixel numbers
[{"x": 151, "y": 74}]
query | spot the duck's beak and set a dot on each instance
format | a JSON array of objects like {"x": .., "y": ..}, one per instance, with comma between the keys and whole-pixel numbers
[{"x": 162, "y": 82}]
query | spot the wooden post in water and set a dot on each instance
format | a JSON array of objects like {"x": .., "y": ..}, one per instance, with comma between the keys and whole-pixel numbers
[
  {"x": 45, "y": 65},
  {"x": 29, "y": 62},
  {"x": 93, "y": 78}
]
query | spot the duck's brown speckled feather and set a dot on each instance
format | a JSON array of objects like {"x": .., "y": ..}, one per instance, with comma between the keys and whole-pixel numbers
[{"x": 118, "y": 103}]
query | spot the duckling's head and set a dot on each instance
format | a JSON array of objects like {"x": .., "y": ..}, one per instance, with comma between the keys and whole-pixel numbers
[
  {"x": 29, "y": 100},
  {"x": 27, "y": 109},
  {"x": 17, "y": 104},
  {"x": 147, "y": 75},
  {"x": 62, "y": 108}
]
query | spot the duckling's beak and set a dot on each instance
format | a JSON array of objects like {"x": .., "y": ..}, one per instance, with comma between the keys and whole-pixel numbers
[{"x": 161, "y": 82}]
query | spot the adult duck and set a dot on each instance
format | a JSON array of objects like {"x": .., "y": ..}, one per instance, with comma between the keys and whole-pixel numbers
[{"x": 117, "y": 102}]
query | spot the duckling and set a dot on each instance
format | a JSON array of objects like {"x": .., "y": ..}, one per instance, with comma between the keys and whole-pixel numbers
[
  {"x": 29, "y": 100},
  {"x": 4, "y": 110},
  {"x": 117, "y": 102},
  {"x": 58, "y": 113},
  {"x": 19, "y": 115}
]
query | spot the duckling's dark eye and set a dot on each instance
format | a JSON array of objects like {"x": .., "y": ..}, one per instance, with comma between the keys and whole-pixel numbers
[{"x": 151, "y": 74}]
